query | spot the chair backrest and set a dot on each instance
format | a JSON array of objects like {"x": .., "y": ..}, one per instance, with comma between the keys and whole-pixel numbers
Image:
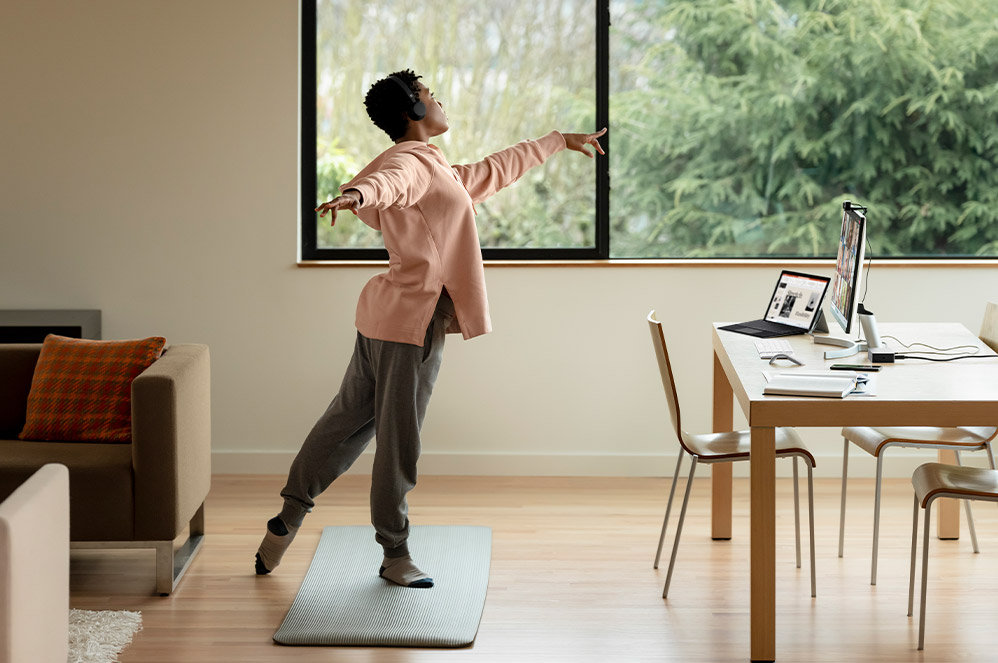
[
  {"x": 989, "y": 326},
  {"x": 665, "y": 370}
]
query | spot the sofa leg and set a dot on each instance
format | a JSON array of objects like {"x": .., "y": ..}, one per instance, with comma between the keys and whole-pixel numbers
[
  {"x": 197, "y": 522},
  {"x": 172, "y": 565},
  {"x": 164, "y": 567}
]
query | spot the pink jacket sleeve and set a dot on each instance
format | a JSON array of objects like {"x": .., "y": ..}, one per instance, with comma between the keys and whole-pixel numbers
[
  {"x": 400, "y": 181},
  {"x": 499, "y": 170}
]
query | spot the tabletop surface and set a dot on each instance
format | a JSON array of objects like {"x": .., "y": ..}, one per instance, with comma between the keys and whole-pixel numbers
[{"x": 911, "y": 392}]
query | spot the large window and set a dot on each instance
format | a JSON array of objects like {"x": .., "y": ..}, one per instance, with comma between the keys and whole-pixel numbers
[
  {"x": 737, "y": 128},
  {"x": 504, "y": 71}
]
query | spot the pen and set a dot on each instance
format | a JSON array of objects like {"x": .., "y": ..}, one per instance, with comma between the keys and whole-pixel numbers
[{"x": 854, "y": 367}]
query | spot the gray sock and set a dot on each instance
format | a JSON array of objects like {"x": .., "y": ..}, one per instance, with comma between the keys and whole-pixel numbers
[
  {"x": 275, "y": 542},
  {"x": 402, "y": 571}
]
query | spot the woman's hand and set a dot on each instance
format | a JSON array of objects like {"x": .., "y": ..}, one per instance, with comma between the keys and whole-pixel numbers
[
  {"x": 350, "y": 199},
  {"x": 578, "y": 142}
]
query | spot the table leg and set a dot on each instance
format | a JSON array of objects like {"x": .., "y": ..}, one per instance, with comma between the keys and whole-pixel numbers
[
  {"x": 720, "y": 473},
  {"x": 948, "y": 510},
  {"x": 762, "y": 466}
]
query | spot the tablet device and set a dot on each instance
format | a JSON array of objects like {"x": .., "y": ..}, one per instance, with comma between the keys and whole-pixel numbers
[{"x": 793, "y": 308}]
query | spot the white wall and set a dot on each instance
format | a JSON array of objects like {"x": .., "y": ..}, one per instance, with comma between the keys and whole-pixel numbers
[{"x": 148, "y": 169}]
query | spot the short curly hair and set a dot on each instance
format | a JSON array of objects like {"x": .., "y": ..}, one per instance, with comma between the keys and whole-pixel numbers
[{"x": 386, "y": 103}]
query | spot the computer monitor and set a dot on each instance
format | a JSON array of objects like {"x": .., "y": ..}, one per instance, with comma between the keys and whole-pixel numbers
[
  {"x": 847, "y": 280},
  {"x": 847, "y": 284}
]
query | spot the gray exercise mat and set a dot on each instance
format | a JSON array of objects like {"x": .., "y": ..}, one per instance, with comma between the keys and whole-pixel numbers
[{"x": 343, "y": 601}]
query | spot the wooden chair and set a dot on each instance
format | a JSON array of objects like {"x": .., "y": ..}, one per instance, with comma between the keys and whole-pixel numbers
[
  {"x": 721, "y": 448},
  {"x": 876, "y": 441},
  {"x": 932, "y": 481}
]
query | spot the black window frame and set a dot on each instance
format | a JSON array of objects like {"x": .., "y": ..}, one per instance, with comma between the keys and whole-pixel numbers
[{"x": 311, "y": 252}]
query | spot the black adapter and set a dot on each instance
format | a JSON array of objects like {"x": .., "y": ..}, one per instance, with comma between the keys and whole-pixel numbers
[{"x": 880, "y": 355}]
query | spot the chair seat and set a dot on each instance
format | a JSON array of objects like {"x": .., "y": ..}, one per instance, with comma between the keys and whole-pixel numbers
[
  {"x": 736, "y": 445},
  {"x": 874, "y": 440},
  {"x": 933, "y": 480}
]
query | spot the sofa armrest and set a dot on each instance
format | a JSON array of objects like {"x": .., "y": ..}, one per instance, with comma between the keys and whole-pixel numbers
[
  {"x": 171, "y": 441},
  {"x": 34, "y": 568}
]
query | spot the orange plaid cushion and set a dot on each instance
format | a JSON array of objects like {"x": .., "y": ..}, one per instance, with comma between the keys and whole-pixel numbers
[{"x": 82, "y": 390}]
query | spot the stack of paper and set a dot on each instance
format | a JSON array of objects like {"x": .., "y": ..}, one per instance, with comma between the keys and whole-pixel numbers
[{"x": 810, "y": 384}]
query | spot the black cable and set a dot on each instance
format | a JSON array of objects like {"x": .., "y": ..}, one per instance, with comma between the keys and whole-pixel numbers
[
  {"x": 948, "y": 358},
  {"x": 869, "y": 264}
]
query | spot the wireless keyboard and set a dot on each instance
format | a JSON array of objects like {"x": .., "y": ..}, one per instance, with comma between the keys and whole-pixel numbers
[{"x": 770, "y": 347}]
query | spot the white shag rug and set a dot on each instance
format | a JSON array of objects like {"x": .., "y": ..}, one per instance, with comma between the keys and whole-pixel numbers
[{"x": 98, "y": 636}]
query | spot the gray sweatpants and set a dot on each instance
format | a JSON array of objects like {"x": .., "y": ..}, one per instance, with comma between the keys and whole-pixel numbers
[{"x": 384, "y": 395}]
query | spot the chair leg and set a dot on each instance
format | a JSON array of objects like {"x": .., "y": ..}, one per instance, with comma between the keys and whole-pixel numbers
[
  {"x": 810, "y": 518},
  {"x": 796, "y": 512},
  {"x": 970, "y": 514},
  {"x": 925, "y": 578},
  {"x": 668, "y": 507},
  {"x": 991, "y": 455},
  {"x": 914, "y": 547},
  {"x": 970, "y": 526},
  {"x": 679, "y": 528},
  {"x": 842, "y": 509},
  {"x": 876, "y": 520}
]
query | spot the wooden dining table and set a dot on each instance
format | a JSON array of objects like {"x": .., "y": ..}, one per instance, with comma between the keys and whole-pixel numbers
[{"x": 910, "y": 392}]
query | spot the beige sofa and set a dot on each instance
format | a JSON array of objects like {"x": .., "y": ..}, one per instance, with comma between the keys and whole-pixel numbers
[
  {"x": 142, "y": 494},
  {"x": 34, "y": 569}
]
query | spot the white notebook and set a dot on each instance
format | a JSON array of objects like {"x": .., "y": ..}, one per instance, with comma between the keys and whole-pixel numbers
[{"x": 800, "y": 384}]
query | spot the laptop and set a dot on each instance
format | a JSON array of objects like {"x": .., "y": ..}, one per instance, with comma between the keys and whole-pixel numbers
[{"x": 793, "y": 309}]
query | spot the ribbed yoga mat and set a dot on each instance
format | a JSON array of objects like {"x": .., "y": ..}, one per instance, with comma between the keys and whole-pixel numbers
[{"x": 343, "y": 601}]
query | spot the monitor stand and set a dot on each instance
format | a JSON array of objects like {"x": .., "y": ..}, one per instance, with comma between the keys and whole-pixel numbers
[
  {"x": 847, "y": 347},
  {"x": 868, "y": 322}
]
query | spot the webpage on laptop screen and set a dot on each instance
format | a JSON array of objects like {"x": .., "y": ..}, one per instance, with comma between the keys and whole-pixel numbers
[{"x": 795, "y": 300}]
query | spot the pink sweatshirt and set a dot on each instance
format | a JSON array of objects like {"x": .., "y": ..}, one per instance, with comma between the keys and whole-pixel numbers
[{"x": 424, "y": 208}]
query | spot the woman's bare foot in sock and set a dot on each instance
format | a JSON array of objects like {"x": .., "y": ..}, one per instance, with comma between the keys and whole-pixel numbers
[
  {"x": 402, "y": 571},
  {"x": 275, "y": 542}
]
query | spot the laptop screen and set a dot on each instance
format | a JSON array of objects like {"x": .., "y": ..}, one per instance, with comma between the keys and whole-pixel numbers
[{"x": 797, "y": 299}]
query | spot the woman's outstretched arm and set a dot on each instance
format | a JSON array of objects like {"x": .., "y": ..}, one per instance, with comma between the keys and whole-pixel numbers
[{"x": 497, "y": 171}]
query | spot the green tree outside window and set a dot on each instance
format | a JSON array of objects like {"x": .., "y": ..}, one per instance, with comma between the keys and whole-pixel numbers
[{"x": 739, "y": 126}]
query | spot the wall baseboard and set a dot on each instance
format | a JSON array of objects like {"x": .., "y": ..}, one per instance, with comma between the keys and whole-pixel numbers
[{"x": 896, "y": 466}]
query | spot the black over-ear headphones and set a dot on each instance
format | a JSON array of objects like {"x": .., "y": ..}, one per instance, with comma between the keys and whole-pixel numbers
[{"x": 418, "y": 109}]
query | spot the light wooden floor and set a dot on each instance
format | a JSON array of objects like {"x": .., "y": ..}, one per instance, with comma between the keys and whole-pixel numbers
[{"x": 572, "y": 578}]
